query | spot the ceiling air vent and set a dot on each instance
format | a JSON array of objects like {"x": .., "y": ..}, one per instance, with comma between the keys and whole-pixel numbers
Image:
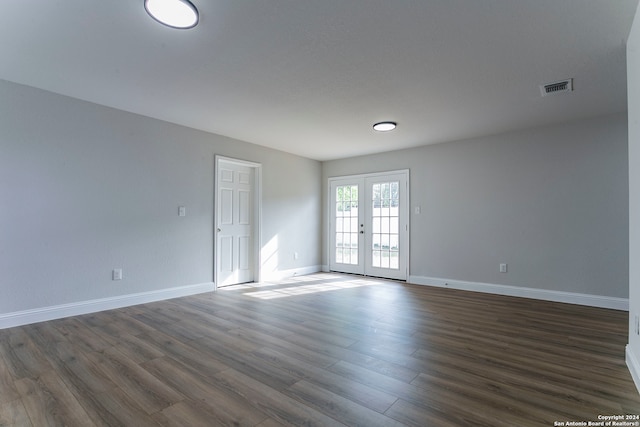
[{"x": 557, "y": 87}]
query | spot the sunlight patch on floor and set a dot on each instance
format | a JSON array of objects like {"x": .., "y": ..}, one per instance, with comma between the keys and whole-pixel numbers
[
  {"x": 315, "y": 277},
  {"x": 298, "y": 289}
]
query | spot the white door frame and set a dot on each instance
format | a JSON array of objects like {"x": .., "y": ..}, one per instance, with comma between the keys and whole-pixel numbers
[
  {"x": 404, "y": 216},
  {"x": 256, "y": 213}
]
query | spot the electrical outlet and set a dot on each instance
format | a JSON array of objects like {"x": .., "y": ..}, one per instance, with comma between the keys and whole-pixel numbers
[
  {"x": 503, "y": 268},
  {"x": 116, "y": 274},
  {"x": 182, "y": 211},
  {"x": 295, "y": 255}
]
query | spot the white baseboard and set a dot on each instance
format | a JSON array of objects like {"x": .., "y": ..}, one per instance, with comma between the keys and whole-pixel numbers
[
  {"x": 286, "y": 274},
  {"x": 634, "y": 366},
  {"x": 26, "y": 317},
  {"x": 517, "y": 291}
]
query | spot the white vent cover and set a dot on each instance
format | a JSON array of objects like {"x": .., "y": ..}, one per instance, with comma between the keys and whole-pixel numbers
[{"x": 556, "y": 87}]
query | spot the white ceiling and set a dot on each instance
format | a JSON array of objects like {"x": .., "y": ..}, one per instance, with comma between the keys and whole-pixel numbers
[{"x": 312, "y": 76}]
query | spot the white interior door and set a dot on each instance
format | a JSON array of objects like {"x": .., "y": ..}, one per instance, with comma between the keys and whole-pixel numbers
[
  {"x": 369, "y": 225},
  {"x": 234, "y": 233}
]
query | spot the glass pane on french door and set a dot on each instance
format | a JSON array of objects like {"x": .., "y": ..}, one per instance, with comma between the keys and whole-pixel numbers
[
  {"x": 385, "y": 229},
  {"x": 347, "y": 248}
]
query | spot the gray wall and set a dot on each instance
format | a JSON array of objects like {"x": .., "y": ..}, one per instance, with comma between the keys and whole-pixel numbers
[
  {"x": 633, "y": 97},
  {"x": 551, "y": 202},
  {"x": 85, "y": 189}
]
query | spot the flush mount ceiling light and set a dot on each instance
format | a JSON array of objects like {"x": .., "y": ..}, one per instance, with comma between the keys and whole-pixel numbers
[
  {"x": 180, "y": 14},
  {"x": 384, "y": 126}
]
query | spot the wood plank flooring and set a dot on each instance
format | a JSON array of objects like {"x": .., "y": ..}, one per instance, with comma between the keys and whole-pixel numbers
[{"x": 320, "y": 350}]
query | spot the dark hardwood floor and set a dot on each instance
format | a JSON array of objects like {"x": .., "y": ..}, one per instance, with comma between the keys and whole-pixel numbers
[{"x": 325, "y": 350}]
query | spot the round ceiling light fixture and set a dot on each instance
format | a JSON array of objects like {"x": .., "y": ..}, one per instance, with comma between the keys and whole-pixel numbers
[
  {"x": 181, "y": 14},
  {"x": 384, "y": 126}
]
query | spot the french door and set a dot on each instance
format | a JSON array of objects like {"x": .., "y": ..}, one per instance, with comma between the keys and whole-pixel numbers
[{"x": 369, "y": 224}]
